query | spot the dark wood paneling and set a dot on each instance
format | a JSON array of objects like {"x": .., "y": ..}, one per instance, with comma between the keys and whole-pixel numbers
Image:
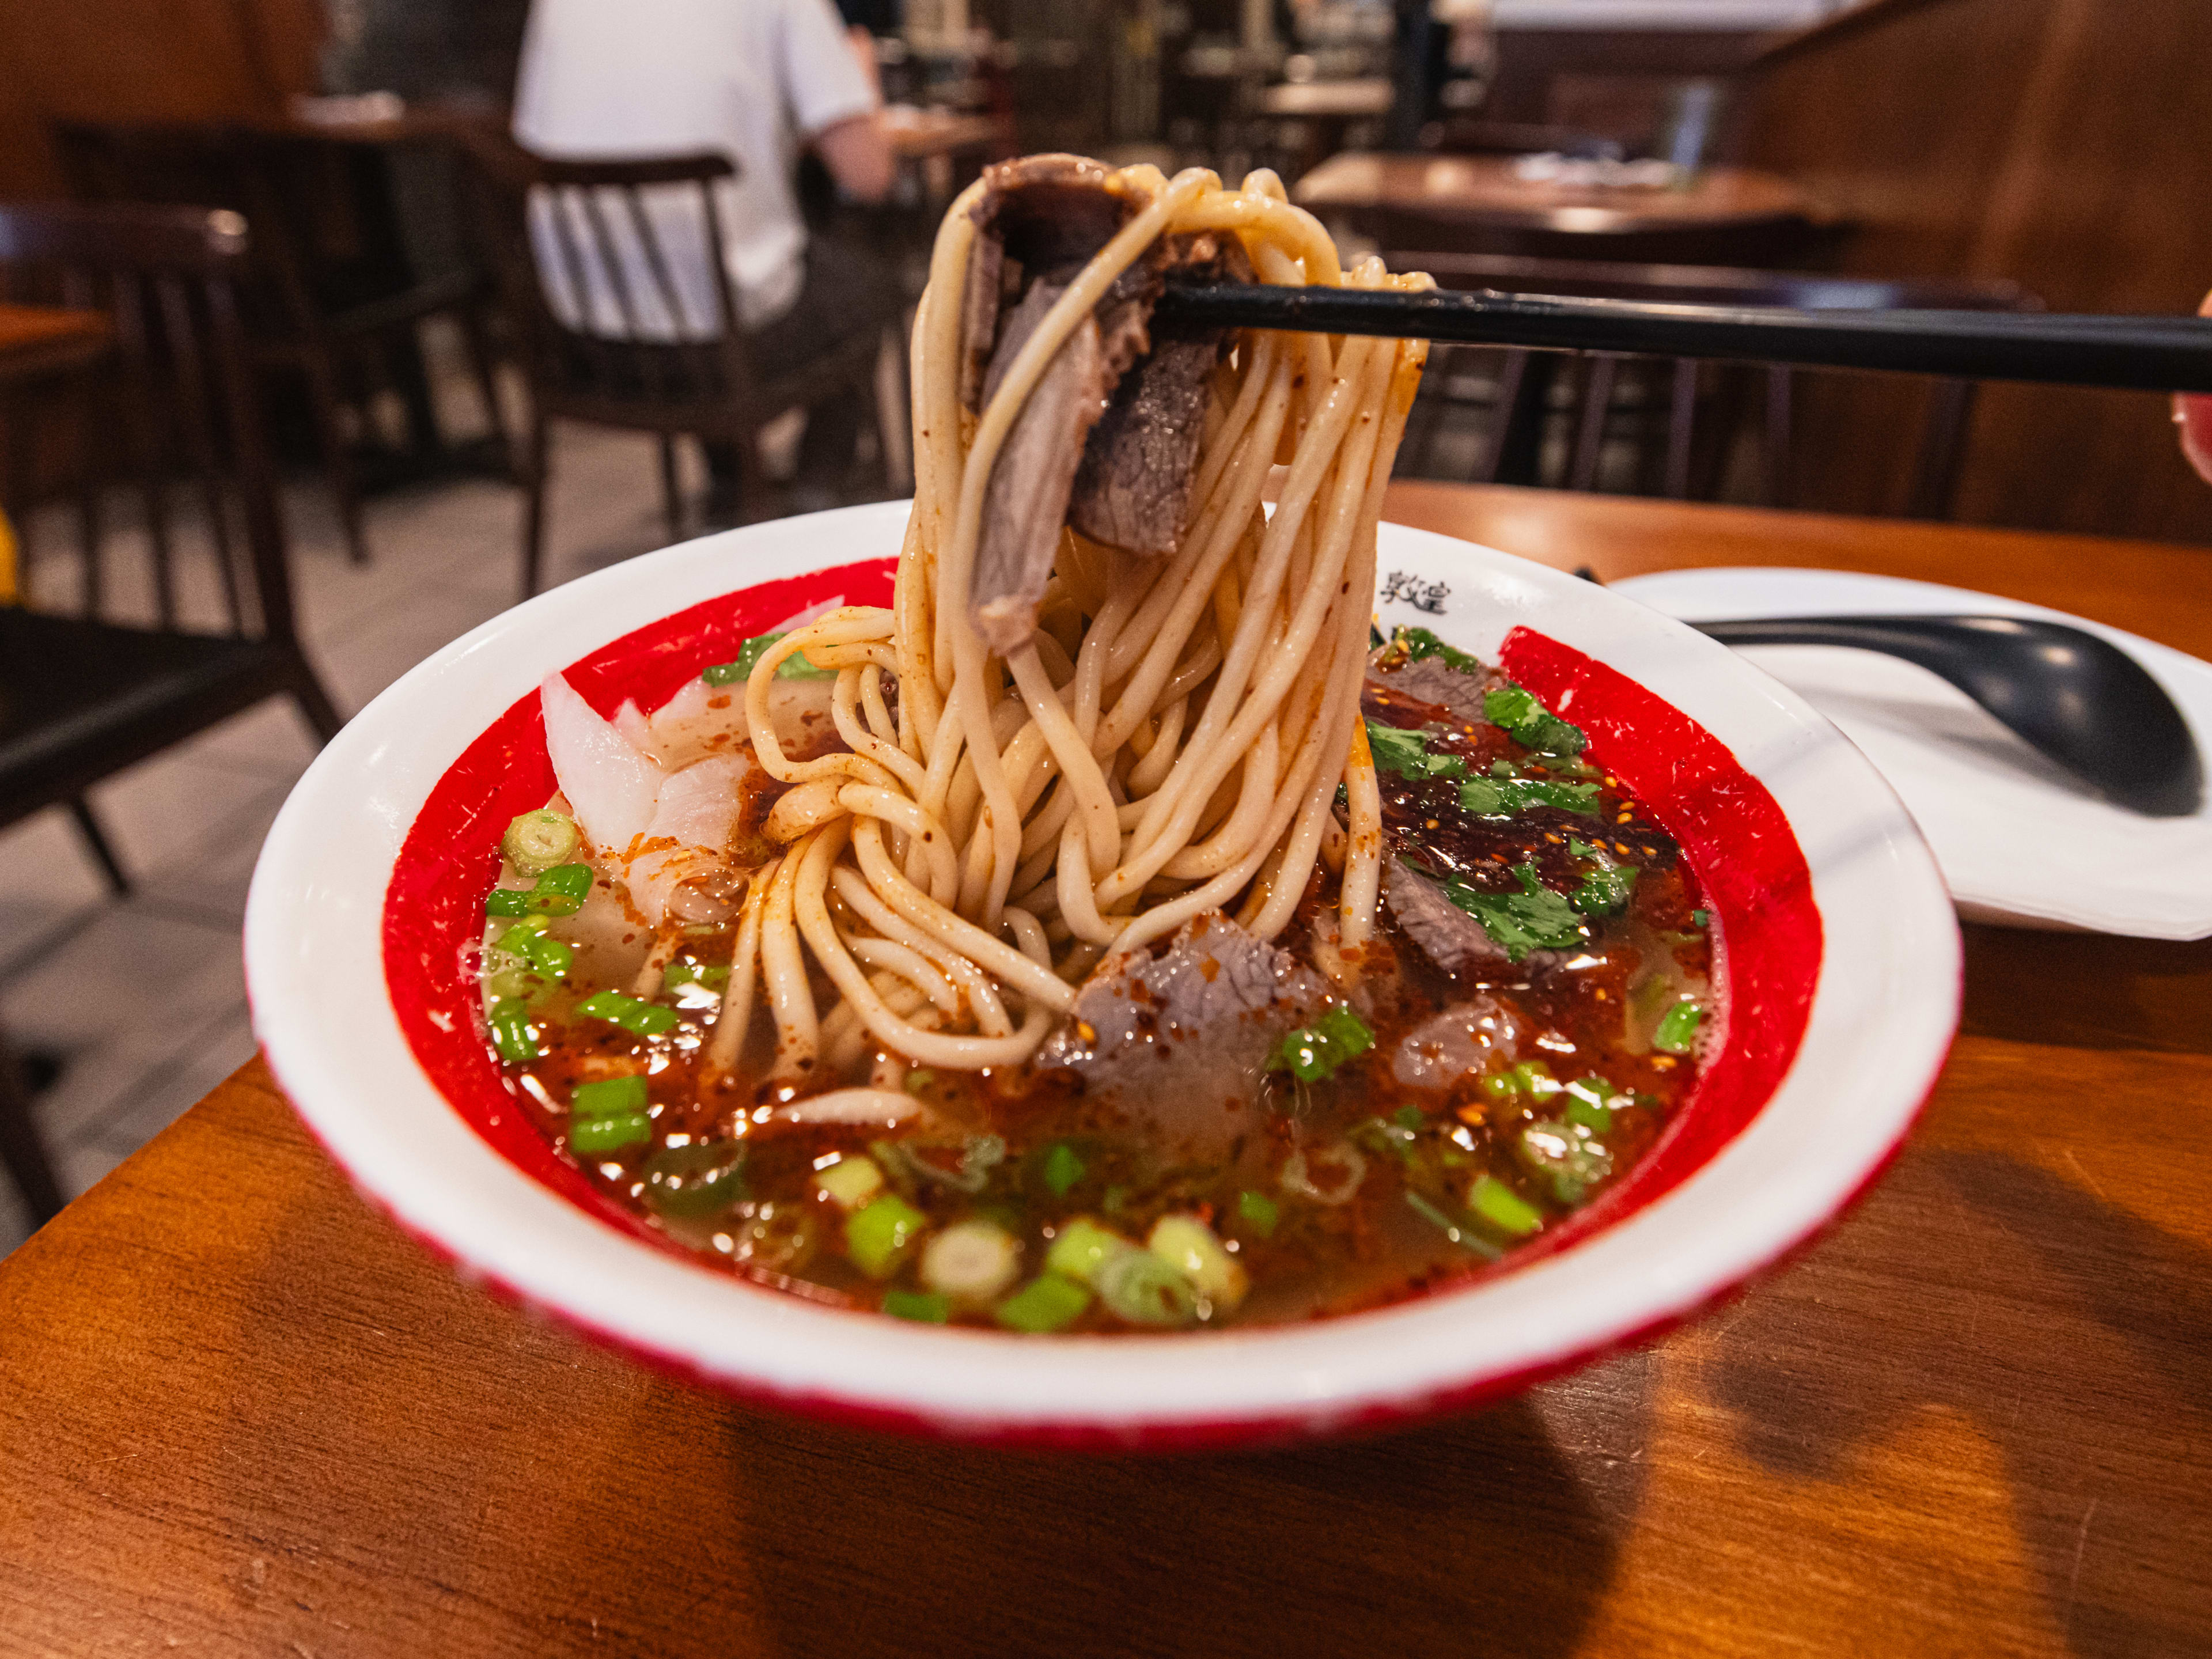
[
  {"x": 143, "y": 60},
  {"x": 2066, "y": 144}
]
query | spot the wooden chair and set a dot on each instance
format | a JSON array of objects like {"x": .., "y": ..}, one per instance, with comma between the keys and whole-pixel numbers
[
  {"x": 1685, "y": 415},
  {"x": 646, "y": 335},
  {"x": 82, "y": 697},
  {"x": 335, "y": 298}
]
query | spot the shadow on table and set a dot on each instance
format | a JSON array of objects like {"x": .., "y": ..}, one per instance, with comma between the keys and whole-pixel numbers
[
  {"x": 2121, "y": 992},
  {"x": 2074, "y": 1337},
  {"x": 1473, "y": 1536}
]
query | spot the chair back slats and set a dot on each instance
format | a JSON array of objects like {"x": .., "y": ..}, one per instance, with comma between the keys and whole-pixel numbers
[
  {"x": 613, "y": 267},
  {"x": 169, "y": 279},
  {"x": 1681, "y": 422},
  {"x": 1699, "y": 402}
]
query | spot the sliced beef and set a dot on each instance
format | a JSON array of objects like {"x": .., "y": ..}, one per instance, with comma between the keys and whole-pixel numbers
[
  {"x": 1450, "y": 937},
  {"x": 1133, "y": 488},
  {"x": 1179, "y": 1033},
  {"x": 1040, "y": 219},
  {"x": 1429, "y": 680}
]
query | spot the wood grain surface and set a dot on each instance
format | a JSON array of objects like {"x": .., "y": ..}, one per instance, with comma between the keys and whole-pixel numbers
[{"x": 241, "y": 1414}]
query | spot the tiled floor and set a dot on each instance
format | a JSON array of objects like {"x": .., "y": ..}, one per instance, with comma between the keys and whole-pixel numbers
[{"x": 143, "y": 999}]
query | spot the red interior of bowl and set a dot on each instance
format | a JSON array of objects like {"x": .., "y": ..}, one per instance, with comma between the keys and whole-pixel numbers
[{"x": 1730, "y": 829}]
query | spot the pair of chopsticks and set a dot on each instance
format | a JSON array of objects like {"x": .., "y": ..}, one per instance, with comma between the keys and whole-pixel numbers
[{"x": 2153, "y": 354}]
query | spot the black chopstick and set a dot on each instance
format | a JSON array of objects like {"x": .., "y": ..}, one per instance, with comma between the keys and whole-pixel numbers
[{"x": 2158, "y": 354}]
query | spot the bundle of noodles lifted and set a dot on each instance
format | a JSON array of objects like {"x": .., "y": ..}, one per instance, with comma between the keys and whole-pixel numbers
[{"x": 1063, "y": 947}]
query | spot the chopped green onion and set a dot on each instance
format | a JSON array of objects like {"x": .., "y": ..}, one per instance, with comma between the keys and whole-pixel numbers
[
  {"x": 610, "y": 1134},
  {"x": 1533, "y": 1076},
  {"x": 1701, "y": 918},
  {"x": 511, "y": 1030},
  {"x": 1409, "y": 1117},
  {"x": 569, "y": 881},
  {"x": 609, "y": 1097},
  {"x": 1567, "y": 1156},
  {"x": 683, "y": 972},
  {"x": 1383, "y": 1137},
  {"x": 643, "y": 1019},
  {"x": 1591, "y": 1098},
  {"x": 1194, "y": 1250},
  {"x": 1082, "y": 1247},
  {"x": 922, "y": 1307},
  {"x": 972, "y": 1262},
  {"x": 881, "y": 1234},
  {"x": 538, "y": 841},
  {"x": 850, "y": 1182},
  {"x": 1678, "y": 1028},
  {"x": 1048, "y": 1303},
  {"x": 691, "y": 1183},
  {"x": 510, "y": 902},
  {"x": 1140, "y": 1287},
  {"x": 918, "y": 1079},
  {"x": 1313, "y": 1052},
  {"x": 1494, "y": 1201},
  {"x": 1063, "y": 1168},
  {"x": 1462, "y": 1237},
  {"x": 512, "y": 984},
  {"x": 1259, "y": 1212}
]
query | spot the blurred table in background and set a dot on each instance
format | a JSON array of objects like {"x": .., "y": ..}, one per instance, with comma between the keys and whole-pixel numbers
[
  {"x": 1479, "y": 204},
  {"x": 243, "y": 1414},
  {"x": 46, "y": 352}
]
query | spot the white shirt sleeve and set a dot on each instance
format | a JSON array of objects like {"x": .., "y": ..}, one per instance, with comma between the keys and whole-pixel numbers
[{"x": 823, "y": 82}]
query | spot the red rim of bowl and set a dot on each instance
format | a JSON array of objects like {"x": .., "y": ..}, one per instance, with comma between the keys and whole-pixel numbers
[{"x": 1735, "y": 835}]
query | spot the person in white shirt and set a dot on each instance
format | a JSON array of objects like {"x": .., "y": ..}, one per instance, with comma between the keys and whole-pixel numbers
[{"x": 757, "y": 80}]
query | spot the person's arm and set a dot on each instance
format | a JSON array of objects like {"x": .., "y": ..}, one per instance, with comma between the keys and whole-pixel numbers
[
  {"x": 2194, "y": 416},
  {"x": 830, "y": 86}
]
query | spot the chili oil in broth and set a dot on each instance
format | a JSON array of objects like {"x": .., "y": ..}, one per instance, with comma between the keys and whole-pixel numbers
[{"x": 1488, "y": 1106}]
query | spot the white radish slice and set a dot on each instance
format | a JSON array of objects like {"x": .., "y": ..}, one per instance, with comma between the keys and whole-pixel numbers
[
  {"x": 611, "y": 785},
  {"x": 695, "y": 811},
  {"x": 637, "y": 732}
]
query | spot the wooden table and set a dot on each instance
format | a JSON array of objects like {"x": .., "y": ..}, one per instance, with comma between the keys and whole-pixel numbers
[
  {"x": 1476, "y": 203},
  {"x": 917, "y": 134},
  {"x": 240, "y": 1414}
]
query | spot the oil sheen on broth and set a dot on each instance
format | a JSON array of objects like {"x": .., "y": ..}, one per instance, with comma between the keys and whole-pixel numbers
[{"x": 1221, "y": 1132}]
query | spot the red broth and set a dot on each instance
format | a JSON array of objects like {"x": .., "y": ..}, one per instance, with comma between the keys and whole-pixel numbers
[{"x": 1493, "y": 1103}]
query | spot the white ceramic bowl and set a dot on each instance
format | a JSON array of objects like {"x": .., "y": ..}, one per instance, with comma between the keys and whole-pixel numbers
[{"x": 1841, "y": 974}]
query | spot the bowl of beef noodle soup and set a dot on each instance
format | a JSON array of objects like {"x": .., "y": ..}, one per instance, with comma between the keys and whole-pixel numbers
[{"x": 1125, "y": 949}]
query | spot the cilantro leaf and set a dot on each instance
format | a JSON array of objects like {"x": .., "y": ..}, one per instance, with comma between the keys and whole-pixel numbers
[
  {"x": 1406, "y": 753},
  {"x": 1396, "y": 749},
  {"x": 793, "y": 667},
  {"x": 1494, "y": 796},
  {"x": 1534, "y": 919},
  {"x": 1529, "y": 722},
  {"x": 1418, "y": 642},
  {"x": 1605, "y": 889}
]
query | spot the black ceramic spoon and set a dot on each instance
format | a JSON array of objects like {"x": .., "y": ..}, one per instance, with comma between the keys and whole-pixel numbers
[{"x": 2074, "y": 698}]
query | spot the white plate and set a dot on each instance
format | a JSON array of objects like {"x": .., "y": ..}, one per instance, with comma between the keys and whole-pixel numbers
[{"x": 2018, "y": 840}]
